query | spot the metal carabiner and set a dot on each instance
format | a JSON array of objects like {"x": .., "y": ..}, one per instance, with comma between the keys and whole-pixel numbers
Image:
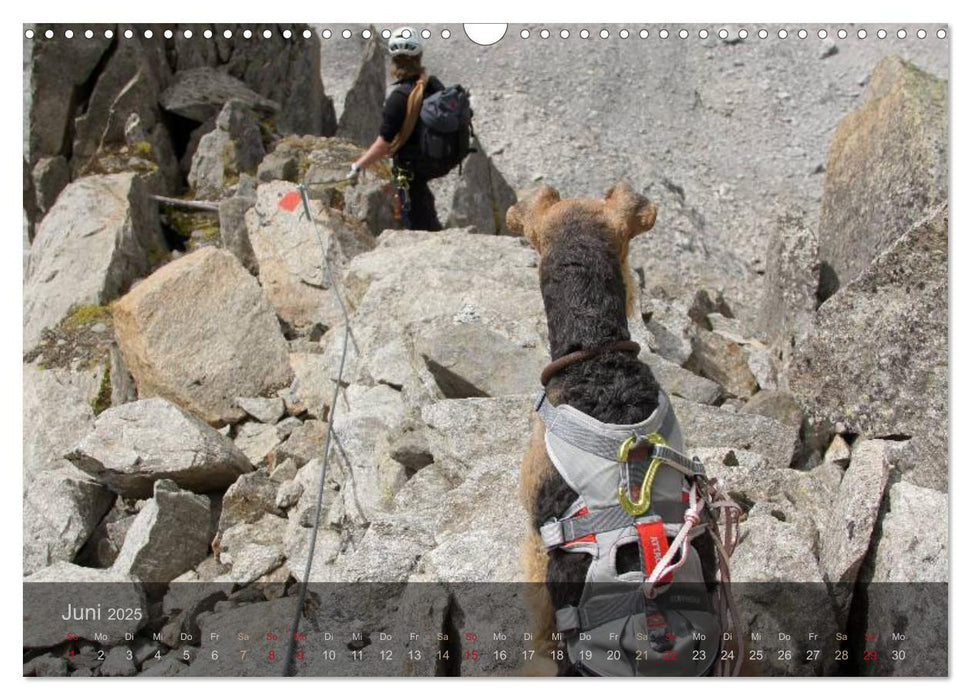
[{"x": 643, "y": 502}]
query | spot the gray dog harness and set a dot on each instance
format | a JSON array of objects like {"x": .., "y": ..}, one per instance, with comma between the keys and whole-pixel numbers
[{"x": 636, "y": 487}]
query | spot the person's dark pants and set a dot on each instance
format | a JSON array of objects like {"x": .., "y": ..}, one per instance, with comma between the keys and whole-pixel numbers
[{"x": 421, "y": 215}]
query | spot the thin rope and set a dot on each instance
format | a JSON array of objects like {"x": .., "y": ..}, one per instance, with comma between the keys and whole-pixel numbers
[{"x": 326, "y": 276}]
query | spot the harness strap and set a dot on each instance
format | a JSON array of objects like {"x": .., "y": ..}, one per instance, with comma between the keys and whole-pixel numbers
[
  {"x": 579, "y": 435},
  {"x": 629, "y": 601},
  {"x": 556, "y": 532}
]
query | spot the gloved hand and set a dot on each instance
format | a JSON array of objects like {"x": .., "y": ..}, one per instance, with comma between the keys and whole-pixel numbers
[{"x": 354, "y": 173}]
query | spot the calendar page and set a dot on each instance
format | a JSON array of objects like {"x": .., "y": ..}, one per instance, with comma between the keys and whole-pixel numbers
[{"x": 431, "y": 350}]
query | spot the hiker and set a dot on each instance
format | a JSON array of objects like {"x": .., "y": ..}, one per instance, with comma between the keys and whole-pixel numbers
[{"x": 406, "y": 69}]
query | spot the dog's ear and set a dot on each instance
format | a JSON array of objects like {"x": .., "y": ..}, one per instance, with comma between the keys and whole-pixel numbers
[
  {"x": 633, "y": 212},
  {"x": 525, "y": 216}
]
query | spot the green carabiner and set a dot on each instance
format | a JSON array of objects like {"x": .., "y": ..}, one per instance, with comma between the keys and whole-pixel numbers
[{"x": 643, "y": 502}]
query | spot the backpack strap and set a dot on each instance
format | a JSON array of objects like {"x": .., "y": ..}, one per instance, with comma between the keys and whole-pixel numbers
[{"x": 415, "y": 98}]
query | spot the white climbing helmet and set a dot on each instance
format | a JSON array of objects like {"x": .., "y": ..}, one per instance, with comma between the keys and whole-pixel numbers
[{"x": 404, "y": 41}]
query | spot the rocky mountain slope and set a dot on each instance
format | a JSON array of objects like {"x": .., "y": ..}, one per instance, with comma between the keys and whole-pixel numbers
[{"x": 182, "y": 337}]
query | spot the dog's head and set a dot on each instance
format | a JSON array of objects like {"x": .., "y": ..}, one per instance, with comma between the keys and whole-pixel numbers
[{"x": 543, "y": 218}]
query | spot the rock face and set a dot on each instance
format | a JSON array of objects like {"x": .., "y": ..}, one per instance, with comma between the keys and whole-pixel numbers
[
  {"x": 708, "y": 426},
  {"x": 791, "y": 283},
  {"x": 858, "y": 368},
  {"x": 57, "y": 414},
  {"x": 913, "y": 538},
  {"x": 62, "y": 507},
  {"x": 361, "y": 118},
  {"x": 50, "y": 176},
  {"x": 845, "y": 537},
  {"x": 887, "y": 167},
  {"x": 200, "y": 93},
  {"x": 200, "y": 332},
  {"x": 101, "y": 235},
  {"x": 481, "y": 197},
  {"x": 234, "y": 147},
  {"x": 139, "y": 443},
  {"x": 286, "y": 71},
  {"x": 289, "y": 256},
  {"x": 57, "y": 71},
  {"x": 126, "y": 91},
  {"x": 429, "y": 285},
  {"x": 168, "y": 536}
]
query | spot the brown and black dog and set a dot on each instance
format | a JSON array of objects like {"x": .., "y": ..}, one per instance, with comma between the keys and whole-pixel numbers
[{"x": 588, "y": 292}]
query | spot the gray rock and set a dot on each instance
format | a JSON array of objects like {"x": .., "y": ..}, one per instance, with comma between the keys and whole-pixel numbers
[
  {"x": 257, "y": 441},
  {"x": 671, "y": 328},
  {"x": 200, "y": 93},
  {"x": 287, "y": 71},
  {"x": 304, "y": 443},
  {"x": 289, "y": 256},
  {"x": 845, "y": 538},
  {"x": 838, "y": 452},
  {"x": 127, "y": 84},
  {"x": 770, "y": 560},
  {"x": 481, "y": 197},
  {"x": 857, "y": 368},
  {"x": 50, "y": 176},
  {"x": 474, "y": 433},
  {"x": 56, "y": 70},
  {"x": 707, "y": 426},
  {"x": 168, "y": 666},
  {"x": 791, "y": 279},
  {"x": 46, "y": 666},
  {"x": 221, "y": 628},
  {"x": 123, "y": 389},
  {"x": 371, "y": 202},
  {"x": 912, "y": 543},
  {"x": 761, "y": 364},
  {"x": 361, "y": 118},
  {"x": 42, "y": 629},
  {"x": 461, "y": 371},
  {"x": 413, "y": 284},
  {"x": 100, "y": 236},
  {"x": 234, "y": 147},
  {"x": 286, "y": 426},
  {"x": 361, "y": 436},
  {"x": 253, "y": 549},
  {"x": 279, "y": 164},
  {"x": 906, "y": 590},
  {"x": 62, "y": 508},
  {"x": 117, "y": 663},
  {"x": 778, "y": 405},
  {"x": 723, "y": 361},
  {"x": 233, "y": 233},
  {"x": 312, "y": 390},
  {"x": 389, "y": 551},
  {"x": 288, "y": 494},
  {"x": 57, "y": 413},
  {"x": 136, "y": 444},
  {"x": 200, "y": 332},
  {"x": 168, "y": 537},
  {"x": 264, "y": 410},
  {"x": 250, "y": 497},
  {"x": 887, "y": 168},
  {"x": 102, "y": 547}
]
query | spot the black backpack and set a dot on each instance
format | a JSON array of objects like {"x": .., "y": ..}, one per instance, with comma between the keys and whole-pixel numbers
[{"x": 444, "y": 133}]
